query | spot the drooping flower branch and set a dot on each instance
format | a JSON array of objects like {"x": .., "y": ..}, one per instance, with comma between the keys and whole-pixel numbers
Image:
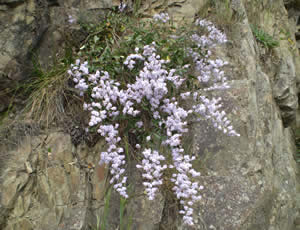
[{"x": 151, "y": 92}]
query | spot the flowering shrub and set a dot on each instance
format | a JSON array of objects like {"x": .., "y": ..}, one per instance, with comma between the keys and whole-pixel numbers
[{"x": 160, "y": 74}]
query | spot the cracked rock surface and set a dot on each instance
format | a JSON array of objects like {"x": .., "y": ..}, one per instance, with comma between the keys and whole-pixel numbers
[{"x": 49, "y": 181}]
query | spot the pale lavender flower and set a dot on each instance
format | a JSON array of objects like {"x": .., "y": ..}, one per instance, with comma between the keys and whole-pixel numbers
[
  {"x": 71, "y": 20},
  {"x": 163, "y": 17},
  {"x": 139, "y": 124},
  {"x": 151, "y": 164}
]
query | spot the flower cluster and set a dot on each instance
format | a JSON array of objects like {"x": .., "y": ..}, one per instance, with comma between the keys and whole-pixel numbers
[
  {"x": 114, "y": 156},
  {"x": 211, "y": 76},
  {"x": 163, "y": 17},
  {"x": 210, "y": 71},
  {"x": 213, "y": 38},
  {"x": 108, "y": 100},
  {"x": 130, "y": 60},
  {"x": 153, "y": 171},
  {"x": 78, "y": 72},
  {"x": 71, "y": 20},
  {"x": 185, "y": 190},
  {"x": 104, "y": 95},
  {"x": 210, "y": 109}
]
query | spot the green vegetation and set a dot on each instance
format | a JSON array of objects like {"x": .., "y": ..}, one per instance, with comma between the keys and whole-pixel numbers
[
  {"x": 124, "y": 224},
  {"x": 106, "y": 209},
  {"x": 110, "y": 42},
  {"x": 286, "y": 35},
  {"x": 264, "y": 38}
]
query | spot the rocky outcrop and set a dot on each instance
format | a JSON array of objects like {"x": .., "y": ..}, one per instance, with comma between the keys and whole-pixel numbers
[
  {"x": 36, "y": 30},
  {"x": 23, "y": 24},
  {"x": 48, "y": 182}
]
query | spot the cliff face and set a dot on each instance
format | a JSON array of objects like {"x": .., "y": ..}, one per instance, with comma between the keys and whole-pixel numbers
[{"x": 48, "y": 182}]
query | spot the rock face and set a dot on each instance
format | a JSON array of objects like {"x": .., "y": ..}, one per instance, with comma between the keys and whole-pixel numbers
[
  {"x": 50, "y": 184},
  {"x": 23, "y": 24},
  {"x": 47, "y": 182},
  {"x": 33, "y": 30}
]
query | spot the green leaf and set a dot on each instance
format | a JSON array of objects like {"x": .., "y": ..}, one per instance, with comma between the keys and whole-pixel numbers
[
  {"x": 106, "y": 208},
  {"x": 123, "y": 203},
  {"x": 145, "y": 107},
  {"x": 157, "y": 136},
  {"x": 192, "y": 77}
]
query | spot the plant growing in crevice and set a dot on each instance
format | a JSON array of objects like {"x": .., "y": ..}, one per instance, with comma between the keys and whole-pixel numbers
[
  {"x": 135, "y": 83},
  {"x": 264, "y": 38},
  {"x": 101, "y": 220},
  {"x": 286, "y": 35},
  {"x": 48, "y": 92},
  {"x": 106, "y": 210}
]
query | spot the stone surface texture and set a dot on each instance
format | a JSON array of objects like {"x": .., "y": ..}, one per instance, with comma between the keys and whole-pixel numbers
[{"x": 48, "y": 183}]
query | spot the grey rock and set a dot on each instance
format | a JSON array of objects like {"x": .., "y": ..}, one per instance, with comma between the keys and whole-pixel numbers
[
  {"x": 11, "y": 1},
  {"x": 250, "y": 182},
  {"x": 285, "y": 92}
]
